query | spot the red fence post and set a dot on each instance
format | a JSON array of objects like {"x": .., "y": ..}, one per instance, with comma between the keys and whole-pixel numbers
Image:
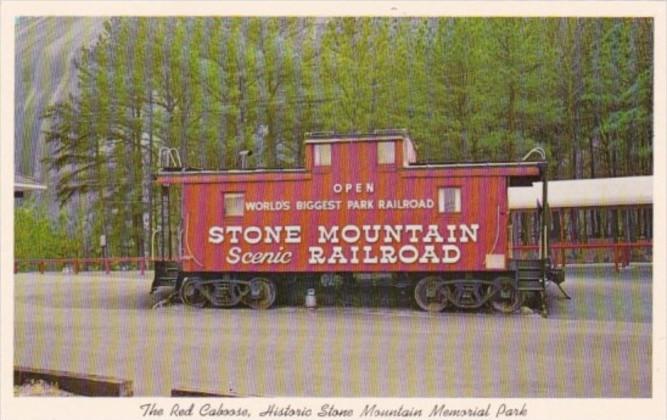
[
  {"x": 142, "y": 265},
  {"x": 106, "y": 266},
  {"x": 76, "y": 266},
  {"x": 41, "y": 267}
]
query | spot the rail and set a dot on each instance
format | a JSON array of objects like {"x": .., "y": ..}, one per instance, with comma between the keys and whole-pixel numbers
[{"x": 621, "y": 250}]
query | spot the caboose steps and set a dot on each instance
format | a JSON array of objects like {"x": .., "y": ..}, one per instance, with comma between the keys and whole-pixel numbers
[
  {"x": 527, "y": 264},
  {"x": 529, "y": 274},
  {"x": 532, "y": 284}
]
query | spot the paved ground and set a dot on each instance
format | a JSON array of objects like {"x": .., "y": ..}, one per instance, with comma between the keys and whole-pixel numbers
[{"x": 596, "y": 345}]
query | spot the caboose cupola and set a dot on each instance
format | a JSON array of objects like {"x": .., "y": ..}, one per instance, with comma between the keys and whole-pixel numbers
[{"x": 386, "y": 149}]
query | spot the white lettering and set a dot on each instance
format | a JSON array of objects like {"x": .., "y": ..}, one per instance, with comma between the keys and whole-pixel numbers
[
  {"x": 318, "y": 205},
  {"x": 357, "y": 187},
  {"x": 328, "y": 237},
  {"x": 405, "y": 244},
  {"x": 468, "y": 232},
  {"x": 234, "y": 255},
  {"x": 337, "y": 256},
  {"x": 293, "y": 234},
  {"x": 413, "y": 230},
  {"x": 267, "y": 205},
  {"x": 367, "y": 255},
  {"x": 429, "y": 255},
  {"x": 315, "y": 255},
  {"x": 354, "y": 259},
  {"x": 272, "y": 234},
  {"x": 451, "y": 254},
  {"x": 388, "y": 254},
  {"x": 351, "y": 234},
  {"x": 370, "y": 234},
  {"x": 252, "y": 235},
  {"x": 433, "y": 234},
  {"x": 234, "y": 230},
  {"x": 367, "y": 236},
  {"x": 392, "y": 233},
  {"x": 360, "y": 204},
  {"x": 410, "y": 249},
  {"x": 216, "y": 235},
  {"x": 452, "y": 233}
]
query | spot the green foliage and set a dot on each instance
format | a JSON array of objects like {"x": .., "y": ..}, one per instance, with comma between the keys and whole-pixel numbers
[
  {"x": 37, "y": 236},
  {"x": 465, "y": 88}
]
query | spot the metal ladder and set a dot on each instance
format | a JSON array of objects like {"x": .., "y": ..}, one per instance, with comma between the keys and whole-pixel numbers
[{"x": 529, "y": 275}]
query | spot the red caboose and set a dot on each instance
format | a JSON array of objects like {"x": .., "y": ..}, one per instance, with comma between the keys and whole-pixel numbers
[{"x": 361, "y": 206}]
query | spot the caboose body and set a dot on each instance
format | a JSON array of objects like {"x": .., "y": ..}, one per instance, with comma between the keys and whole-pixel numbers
[{"x": 361, "y": 205}]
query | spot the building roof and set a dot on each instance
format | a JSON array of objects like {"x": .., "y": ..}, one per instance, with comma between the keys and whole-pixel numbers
[
  {"x": 598, "y": 192},
  {"x": 24, "y": 183}
]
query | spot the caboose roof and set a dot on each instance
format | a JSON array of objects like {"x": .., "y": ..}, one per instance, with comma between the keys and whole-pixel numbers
[
  {"x": 377, "y": 135},
  {"x": 410, "y": 168},
  {"x": 527, "y": 170}
]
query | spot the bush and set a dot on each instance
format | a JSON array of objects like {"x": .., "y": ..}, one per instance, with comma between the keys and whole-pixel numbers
[{"x": 36, "y": 235}]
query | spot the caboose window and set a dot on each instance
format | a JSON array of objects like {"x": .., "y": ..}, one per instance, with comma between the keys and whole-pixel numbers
[
  {"x": 322, "y": 155},
  {"x": 386, "y": 153},
  {"x": 234, "y": 203},
  {"x": 449, "y": 200}
]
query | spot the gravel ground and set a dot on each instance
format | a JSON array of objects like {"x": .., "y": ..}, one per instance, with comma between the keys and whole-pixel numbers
[{"x": 596, "y": 345}]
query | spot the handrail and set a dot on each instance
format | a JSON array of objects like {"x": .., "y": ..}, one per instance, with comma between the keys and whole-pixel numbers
[
  {"x": 155, "y": 232},
  {"x": 170, "y": 158},
  {"x": 537, "y": 150}
]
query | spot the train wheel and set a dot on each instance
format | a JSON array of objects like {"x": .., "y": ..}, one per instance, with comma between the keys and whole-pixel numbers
[
  {"x": 261, "y": 295},
  {"x": 431, "y": 294},
  {"x": 507, "y": 298},
  {"x": 191, "y": 294}
]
